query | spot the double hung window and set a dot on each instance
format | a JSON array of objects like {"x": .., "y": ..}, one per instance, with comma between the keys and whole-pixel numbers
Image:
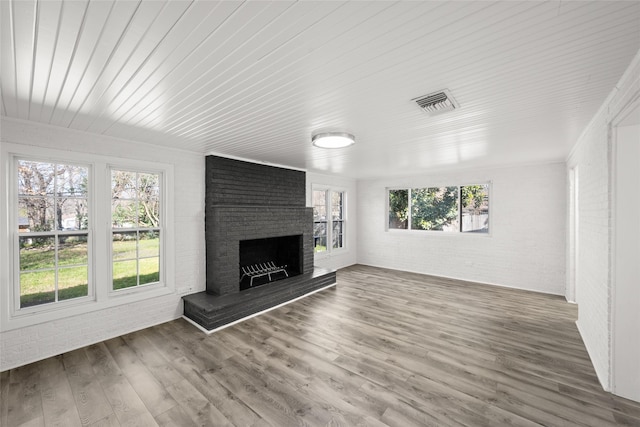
[
  {"x": 53, "y": 232},
  {"x": 136, "y": 231},
  {"x": 83, "y": 232},
  {"x": 328, "y": 220}
]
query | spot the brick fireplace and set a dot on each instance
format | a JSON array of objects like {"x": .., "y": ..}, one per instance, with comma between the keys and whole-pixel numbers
[{"x": 248, "y": 205}]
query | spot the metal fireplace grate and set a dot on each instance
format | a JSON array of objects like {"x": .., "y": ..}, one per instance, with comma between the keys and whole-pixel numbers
[{"x": 261, "y": 270}]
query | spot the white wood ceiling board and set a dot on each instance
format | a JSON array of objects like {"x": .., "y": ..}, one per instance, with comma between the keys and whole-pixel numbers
[
  {"x": 158, "y": 86},
  {"x": 255, "y": 79},
  {"x": 303, "y": 83},
  {"x": 126, "y": 48},
  {"x": 92, "y": 86},
  {"x": 47, "y": 31},
  {"x": 111, "y": 34},
  {"x": 234, "y": 66},
  {"x": 342, "y": 89},
  {"x": 93, "y": 26},
  {"x": 227, "y": 86},
  {"x": 7, "y": 62},
  {"x": 70, "y": 29},
  {"x": 149, "y": 44},
  {"x": 191, "y": 35},
  {"x": 251, "y": 93},
  {"x": 21, "y": 26},
  {"x": 231, "y": 34}
]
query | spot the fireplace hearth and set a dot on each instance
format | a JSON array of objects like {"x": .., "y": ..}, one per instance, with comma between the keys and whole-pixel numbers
[{"x": 259, "y": 242}]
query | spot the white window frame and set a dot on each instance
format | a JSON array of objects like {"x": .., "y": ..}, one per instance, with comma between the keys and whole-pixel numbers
[
  {"x": 438, "y": 232},
  {"x": 99, "y": 199},
  {"x": 328, "y": 190},
  {"x": 15, "y": 284}
]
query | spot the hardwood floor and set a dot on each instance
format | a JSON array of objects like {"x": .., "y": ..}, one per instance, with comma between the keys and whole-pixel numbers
[{"x": 382, "y": 348}]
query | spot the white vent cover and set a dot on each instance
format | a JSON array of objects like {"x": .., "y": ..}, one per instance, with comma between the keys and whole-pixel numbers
[{"x": 437, "y": 102}]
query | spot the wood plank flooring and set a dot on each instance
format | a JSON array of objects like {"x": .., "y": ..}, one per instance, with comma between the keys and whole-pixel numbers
[{"x": 383, "y": 348}]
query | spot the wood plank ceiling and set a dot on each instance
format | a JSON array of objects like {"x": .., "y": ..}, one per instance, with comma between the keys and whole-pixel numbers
[{"x": 255, "y": 79}]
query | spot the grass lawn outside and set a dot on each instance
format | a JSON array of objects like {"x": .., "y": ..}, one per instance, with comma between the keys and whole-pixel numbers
[{"x": 38, "y": 287}]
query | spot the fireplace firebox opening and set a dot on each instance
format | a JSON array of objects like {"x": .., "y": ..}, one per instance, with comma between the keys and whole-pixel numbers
[{"x": 266, "y": 260}]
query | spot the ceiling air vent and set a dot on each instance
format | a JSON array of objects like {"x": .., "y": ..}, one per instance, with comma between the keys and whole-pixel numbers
[{"x": 437, "y": 102}]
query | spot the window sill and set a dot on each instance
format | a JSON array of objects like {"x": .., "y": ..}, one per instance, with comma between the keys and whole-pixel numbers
[
  {"x": 49, "y": 314},
  {"x": 436, "y": 233}
]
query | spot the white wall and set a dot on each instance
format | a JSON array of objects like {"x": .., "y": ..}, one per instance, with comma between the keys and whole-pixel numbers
[
  {"x": 27, "y": 344},
  {"x": 348, "y": 256},
  {"x": 626, "y": 279},
  {"x": 592, "y": 156},
  {"x": 526, "y": 245}
]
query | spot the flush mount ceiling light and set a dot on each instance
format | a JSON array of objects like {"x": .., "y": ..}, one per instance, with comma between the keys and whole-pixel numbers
[{"x": 332, "y": 139}]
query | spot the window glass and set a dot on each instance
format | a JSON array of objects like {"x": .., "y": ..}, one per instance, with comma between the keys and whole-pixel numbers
[
  {"x": 475, "y": 208},
  {"x": 434, "y": 208},
  {"x": 320, "y": 221},
  {"x": 399, "y": 209}
]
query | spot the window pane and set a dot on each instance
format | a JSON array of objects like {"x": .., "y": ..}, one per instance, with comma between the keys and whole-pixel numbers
[
  {"x": 125, "y": 274},
  {"x": 319, "y": 205},
  {"x": 398, "y": 209},
  {"x": 72, "y": 214},
  {"x": 35, "y": 178},
  {"x": 36, "y": 214},
  {"x": 149, "y": 213},
  {"x": 124, "y": 214},
  {"x": 125, "y": 245},
  {"x": 475, "y": 208},
  {"x": 123, "y": 185},
  {"x": 37, "y": 288},
  {"x": 37, "y": 253},
  {"x": 319, "y": 244},
  {"x": 149, "y": 244},
  {"x": 72, "y": 181},
  {"x": 73, "y": 282},
  {"x": 434, "y": 208},
  {"x": 337, "y": 235},
  {"x": 149, "y": 185},
  {"x": 149, "y": 270},
  {"x": 73, "y": 250},
  {"x": 337, "y": 205}
]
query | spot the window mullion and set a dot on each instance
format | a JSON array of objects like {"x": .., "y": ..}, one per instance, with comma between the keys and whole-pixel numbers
[
  {"x": 460, "y": 208},
  {"x": 409, "y": 209}
]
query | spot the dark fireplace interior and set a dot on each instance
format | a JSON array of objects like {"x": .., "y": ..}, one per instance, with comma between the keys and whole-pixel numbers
[{"x": 267, "y": 260}]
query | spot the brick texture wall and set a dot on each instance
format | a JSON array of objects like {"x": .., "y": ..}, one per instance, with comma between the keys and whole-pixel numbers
[
  {"x": 251, "y": 201},
  {"x": 592, "y": 157},
  {"x": 526, "y": 247},
  {"x": 31, "y": 343}
]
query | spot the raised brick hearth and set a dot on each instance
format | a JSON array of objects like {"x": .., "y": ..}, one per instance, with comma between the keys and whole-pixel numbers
[{"x": 246, "y": 202}]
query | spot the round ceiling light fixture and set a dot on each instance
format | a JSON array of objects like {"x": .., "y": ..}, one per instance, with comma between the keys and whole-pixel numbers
[{"x": 333, "y": 139}]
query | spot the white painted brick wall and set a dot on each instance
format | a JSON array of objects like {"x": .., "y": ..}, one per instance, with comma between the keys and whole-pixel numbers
[
  {"x": 32, "y": 343},
  {"x": 526, "y": 248},
  {"x": 592, "y": 157}
]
